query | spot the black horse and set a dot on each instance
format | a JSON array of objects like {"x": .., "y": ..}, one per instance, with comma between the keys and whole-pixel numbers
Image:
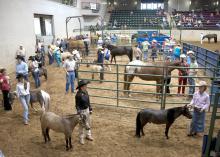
[
  {"x": 167, "y": 117},
  {"x": 210, "y": 36},
  {"x": 120, "y": 51}
]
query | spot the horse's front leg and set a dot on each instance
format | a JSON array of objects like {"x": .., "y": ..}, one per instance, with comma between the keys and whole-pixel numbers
[
  {"x": 67, "y": 143},
  {"x": 70, "y": 143},
  {"x": 111, "y": 58},
  {"x": 167, "y": 129},
  {"x": 115, "y": 59}
]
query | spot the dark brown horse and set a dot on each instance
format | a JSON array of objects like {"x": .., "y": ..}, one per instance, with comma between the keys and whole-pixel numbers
[
  {"x": 120, "y": 51},
  {"x": 210, "y": 36},
  {"x": 138, "y": 68},
  {"x": 167, "y": 117}
]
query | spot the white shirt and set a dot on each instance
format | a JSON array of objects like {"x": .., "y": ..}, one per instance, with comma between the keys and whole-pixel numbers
[
  {"x": 201, "y": 100},
  {"x": 69, "y": 65},
  {"x": 35, "y": 65},
  {"x": 20, "y": 89},
  {"x": 21, "y": 52}
]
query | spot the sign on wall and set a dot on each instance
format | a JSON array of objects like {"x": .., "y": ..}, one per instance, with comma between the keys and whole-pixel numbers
[{"x": 93, "y": 6}]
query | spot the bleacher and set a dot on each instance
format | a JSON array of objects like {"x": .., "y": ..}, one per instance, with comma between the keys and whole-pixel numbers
[
  {"x": 136, "y": 19},
  {"x": 197, "y": 20}
]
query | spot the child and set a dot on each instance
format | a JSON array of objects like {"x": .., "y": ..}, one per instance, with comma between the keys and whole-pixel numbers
[
  {"x": 5, "y": 87},
  {"x": 200, "y": 103},
  {"x": 23, "y": 92}
]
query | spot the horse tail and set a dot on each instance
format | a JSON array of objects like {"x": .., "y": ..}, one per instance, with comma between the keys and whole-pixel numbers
[{"x": 138, "y": 125}]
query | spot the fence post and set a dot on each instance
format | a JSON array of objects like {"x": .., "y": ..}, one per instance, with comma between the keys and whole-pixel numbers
[
  {"x": 117, "y": 83},
  {"x": 162, "y": 91},
  {"x": 165, "y": 90},
  {"x": 205, "y": 61}
]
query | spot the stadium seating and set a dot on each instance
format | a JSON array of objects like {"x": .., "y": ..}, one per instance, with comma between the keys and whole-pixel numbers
[
  {"x": 197, "y": 20},
  {"x": 137, "y": 19}
]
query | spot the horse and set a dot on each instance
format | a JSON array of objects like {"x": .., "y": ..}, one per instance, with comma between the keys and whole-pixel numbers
[
  {"x": 65, "y": 124},
  {"x": 120, "y": 51},
  {"x": 77, "y": 45},
  {"x": 40, "y": 96},
  {"x": 138, "y": 68},
  {"x": 167, "y": 117},
  {"x": 210, "y": 36}
]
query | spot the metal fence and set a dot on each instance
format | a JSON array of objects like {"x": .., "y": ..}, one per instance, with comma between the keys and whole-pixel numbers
[
  {"x": 111, "y": 92},
  {"x": 205, "y": 58}
]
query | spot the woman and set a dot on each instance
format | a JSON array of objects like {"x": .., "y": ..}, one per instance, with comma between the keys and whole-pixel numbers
[
  {"x": 184, "y": 73},
  {"x": 35, "y": 71},
  {"x": 200, "y": 103},
  {"x": 5, "y": 87},
  {"x": 57, "y": 56},
  {"x": 83, "y": 107},
  {"x": 50, "y": 55},
  {"x": 23, "y": 92}
]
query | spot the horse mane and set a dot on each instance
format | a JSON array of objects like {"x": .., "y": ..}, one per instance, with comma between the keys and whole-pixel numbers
[
  {"x": 69, "y": 116},
  {"x": 172, "y": 113}
]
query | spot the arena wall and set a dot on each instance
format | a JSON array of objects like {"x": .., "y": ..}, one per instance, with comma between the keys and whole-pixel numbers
[{"x": 17, "y": 25}]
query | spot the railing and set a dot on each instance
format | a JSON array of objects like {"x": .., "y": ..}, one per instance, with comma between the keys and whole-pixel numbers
[{"x": 111, "y": 92}]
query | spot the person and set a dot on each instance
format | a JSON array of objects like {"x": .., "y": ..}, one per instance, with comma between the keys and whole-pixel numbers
[
  {"x": 63, "y": 45},
  {"x": 107, "y": 55},
  {"x": 138, "y": 53},
  {"x": 23, "y": 93},
  {"x": 177, "y": 52},
  {"x": 189, "y": 56},
  {"x": 5, "y": 88},
  {"x": 100, "y": 61},
  {"x": 57, "y": 56},
  {"x": 168, "y": 78},
  {"x": 192, "y": 74},
  {"x": 77, "y": 58},
  {"x": 201, "y": 38},
  {"x": 145, "y": 45},
  {"x": 200, "y": 104},
  {"x": 50, "y": 55},
  {"x": 154, "y": 50},
  {"x": 39, "y": 58},
  {"x": 69, "y": 67},
  {"x": 21, "y": 67},
  {"x": 182, "y": 75},
  {"x": 35, "y": 71},
  {"x": 57, "y": 42},
  {"x": 21, "y": 52},
  {"x": 100, "y": 42},
  {"x": 83, "y": 106}
]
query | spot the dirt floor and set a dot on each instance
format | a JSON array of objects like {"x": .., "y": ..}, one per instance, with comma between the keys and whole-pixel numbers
[{"x": 113, "y": 128}]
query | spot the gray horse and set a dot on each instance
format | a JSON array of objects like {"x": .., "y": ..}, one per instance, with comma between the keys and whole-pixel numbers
[
  {"x": 210, "y": 36},
  {"x": 167, "y": 117}
]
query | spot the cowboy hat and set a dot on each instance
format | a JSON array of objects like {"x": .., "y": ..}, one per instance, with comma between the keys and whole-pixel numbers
[
  {"x": 19, "y": 57},
  {"x": 182, "y": 56},
  {"x": 31, "y": 58},
  {"x": 202, "y": 83},
  {"x": 82, "y": 83},
  {"x": 190, "y": 52}
]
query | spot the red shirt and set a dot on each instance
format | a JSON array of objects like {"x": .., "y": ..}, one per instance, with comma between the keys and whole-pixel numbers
[
  {"x": 185, "y": 69},
  {"x": 4, "y": 84}
]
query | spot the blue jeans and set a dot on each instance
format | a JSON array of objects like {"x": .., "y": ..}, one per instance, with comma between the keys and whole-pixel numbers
[
  {"x": 145, "y": 54},
  {"x": 51, "y": 59},
  {"x": 191, "y": 82},
  {"x": 25, "y": 99},
  {"x": 70, "y": 81},
  {"x": 36, "y": 76}
]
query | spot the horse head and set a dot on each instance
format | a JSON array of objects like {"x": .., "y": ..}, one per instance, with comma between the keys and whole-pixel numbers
[{"x": 186, "y": 112}]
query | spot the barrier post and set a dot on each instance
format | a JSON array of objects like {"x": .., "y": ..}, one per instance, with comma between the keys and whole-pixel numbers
[
  {"x": 165, "y": 90},
  {"x": 162, "y": 92},
  {"x": 117, "y": 83},
  {"x": 205, "y": 61}
]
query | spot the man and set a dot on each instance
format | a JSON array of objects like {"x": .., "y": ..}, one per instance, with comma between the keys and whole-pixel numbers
[
  {"x": 137, "y": 53},
  {"x": 192, "y": 74},
  {"x": 189, "y": 56},
  {"x": 69, "y": 67},
  {"x": 100, "y": 61},
  {"x": 21, "y": 52},
  {"x": 145, "y": 45},
  {"x": 201, "y": 38},
  {"x": 83, "y": 107},
  {"x": 21, "y": 67},
  {"x": 177, "y": 52}
]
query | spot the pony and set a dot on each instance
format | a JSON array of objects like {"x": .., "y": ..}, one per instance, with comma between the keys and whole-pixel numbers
[
  {"x": 139, "y": 68},
  {"x": 167, "y": 117},
  {"x": 40, "y": 96},
  {"x": 65, "y": 124},
  {"x": 120, "y": 51},
  {"x": 210, "y": 36}
]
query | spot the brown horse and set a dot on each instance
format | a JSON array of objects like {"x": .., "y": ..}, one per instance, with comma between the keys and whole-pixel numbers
[{"x": 138, "y": 68}]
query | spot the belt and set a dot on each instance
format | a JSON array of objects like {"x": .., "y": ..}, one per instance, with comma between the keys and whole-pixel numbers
[{"x": 71, "y": 71}]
